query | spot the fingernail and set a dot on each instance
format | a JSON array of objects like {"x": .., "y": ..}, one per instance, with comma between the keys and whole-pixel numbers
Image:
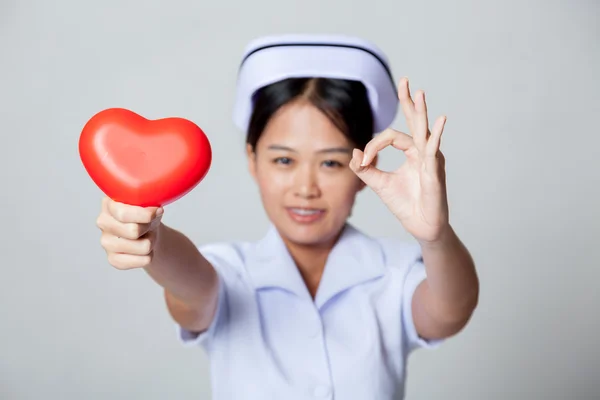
[{"x": 159, "y": 212}]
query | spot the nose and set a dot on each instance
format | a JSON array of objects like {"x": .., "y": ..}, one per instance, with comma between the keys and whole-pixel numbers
[{"x": 306, "y": 183}]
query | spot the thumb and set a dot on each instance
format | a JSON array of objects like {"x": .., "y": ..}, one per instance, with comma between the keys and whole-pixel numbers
[{"x": 369, "y": 174}]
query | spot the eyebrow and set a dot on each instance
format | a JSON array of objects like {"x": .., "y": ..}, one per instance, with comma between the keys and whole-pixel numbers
[{"x": 344, "y": 150}]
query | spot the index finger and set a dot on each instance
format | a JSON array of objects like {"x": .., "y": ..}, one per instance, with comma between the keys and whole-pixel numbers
[
  {"x": 127, "y": 213},
  {"x": 389, "y": 137}
]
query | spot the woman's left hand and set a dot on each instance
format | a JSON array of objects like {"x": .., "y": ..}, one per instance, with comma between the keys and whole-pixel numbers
[{"x": 416, "y": 192}]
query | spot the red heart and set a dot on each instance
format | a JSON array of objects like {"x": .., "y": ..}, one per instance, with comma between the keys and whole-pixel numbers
[{"x": 143, "y": 162}]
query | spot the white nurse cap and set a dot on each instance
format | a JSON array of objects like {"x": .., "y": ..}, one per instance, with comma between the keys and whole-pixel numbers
[{"x": 270, "y": 59}]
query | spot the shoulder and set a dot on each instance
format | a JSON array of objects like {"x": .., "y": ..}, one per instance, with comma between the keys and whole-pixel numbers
[
  {"x": 230, "y": 251},
  {"x": 227, "y": 257}
]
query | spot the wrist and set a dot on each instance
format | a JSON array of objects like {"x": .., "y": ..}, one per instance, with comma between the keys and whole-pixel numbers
[
  {"x": 159, "y": 233},
  {"x": 446, "y": 238}
]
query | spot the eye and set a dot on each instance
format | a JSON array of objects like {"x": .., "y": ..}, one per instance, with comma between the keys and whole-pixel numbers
[
  {"x": 283, "y": 160},
  {"x": 332, "y": 164}
]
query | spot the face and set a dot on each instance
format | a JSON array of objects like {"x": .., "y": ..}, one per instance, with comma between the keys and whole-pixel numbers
[{"x": 301, "y": 167}]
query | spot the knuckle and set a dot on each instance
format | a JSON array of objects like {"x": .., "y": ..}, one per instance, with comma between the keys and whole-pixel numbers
[
  {"x": 148, "y": 216},
  {"x": 390, "y": 134},
  {"x": 146, "y": 260},
  {"x": 146, "y": 246},
  {"x": 104, "y": 241},
  {"x": 115, "y": 261},
  {"x": 118, "y": 211},
  {"x": 100, "y": 222},
  {"x": 413, "y": 151},
  {"x": 120, "y": 214},
  {"x": 133, "y": 231}
]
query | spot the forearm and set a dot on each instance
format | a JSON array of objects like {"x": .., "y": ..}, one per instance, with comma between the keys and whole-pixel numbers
[
  {"x": 452, "y": 285},
  {"x": 188, "y": 278}
]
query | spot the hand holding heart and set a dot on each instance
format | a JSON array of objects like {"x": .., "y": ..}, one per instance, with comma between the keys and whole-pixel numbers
[
  {"x": 129, "y": 233},
  {"x": 141, "y": 165}
]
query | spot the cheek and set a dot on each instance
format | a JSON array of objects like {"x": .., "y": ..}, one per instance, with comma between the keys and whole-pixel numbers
[
  {"x": 341, "y": 190},
  {"x": 272, "y": 184}
]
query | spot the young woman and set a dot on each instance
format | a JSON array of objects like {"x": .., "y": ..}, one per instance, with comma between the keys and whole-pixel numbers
[{"x": 316, "y": 309}]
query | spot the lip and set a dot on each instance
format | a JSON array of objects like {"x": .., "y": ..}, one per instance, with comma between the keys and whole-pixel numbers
[{"x": 306, "y": 219}]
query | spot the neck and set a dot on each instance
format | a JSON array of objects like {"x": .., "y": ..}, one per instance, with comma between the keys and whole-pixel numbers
[{"x": 310, "y": 261}]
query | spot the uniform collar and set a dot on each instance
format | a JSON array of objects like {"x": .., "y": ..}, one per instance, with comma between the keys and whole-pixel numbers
[{"x": 354, "y": 259}]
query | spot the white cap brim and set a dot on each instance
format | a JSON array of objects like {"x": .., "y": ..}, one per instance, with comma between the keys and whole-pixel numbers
[{"x": 273, "y": 58}]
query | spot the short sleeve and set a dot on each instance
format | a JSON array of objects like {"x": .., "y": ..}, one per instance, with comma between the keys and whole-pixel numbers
[
  {"x": 190, "y": 339},
  {"x": 224, "y": 257},
  {"x": 414, "y": 276}
]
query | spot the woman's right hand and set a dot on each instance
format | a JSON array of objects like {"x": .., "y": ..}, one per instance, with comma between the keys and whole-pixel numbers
[{"x": 129, "y": 233}]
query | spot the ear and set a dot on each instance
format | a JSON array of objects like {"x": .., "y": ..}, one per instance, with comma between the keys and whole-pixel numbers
[
  {"x": 251, "y": 154},
  {"x": 362, "y": 184}
]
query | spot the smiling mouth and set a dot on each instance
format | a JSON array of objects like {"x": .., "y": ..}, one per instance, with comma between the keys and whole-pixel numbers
[
  {"x": 306, "y": 211},
  {"x": 302, "y": 215}
]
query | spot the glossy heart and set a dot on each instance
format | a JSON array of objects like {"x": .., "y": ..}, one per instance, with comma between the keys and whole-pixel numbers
[{"x": 144, "y": 162}]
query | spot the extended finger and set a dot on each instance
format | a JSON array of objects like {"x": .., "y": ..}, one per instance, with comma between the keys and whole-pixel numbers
[
  {"x": 406, "y": 102},
  {"x": 421, "y": 122},
  {"x": 433, "y": 144},
  {"x": 389, "y": 137}
]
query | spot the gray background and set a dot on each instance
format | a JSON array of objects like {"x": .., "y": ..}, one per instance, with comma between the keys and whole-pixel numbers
[{"x": 517, "y": 80}]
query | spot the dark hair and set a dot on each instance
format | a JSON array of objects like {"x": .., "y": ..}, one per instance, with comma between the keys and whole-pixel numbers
[{"x": 344, "y": 102}]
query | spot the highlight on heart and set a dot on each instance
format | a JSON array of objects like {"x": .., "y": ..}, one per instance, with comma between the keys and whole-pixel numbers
[{"x": 144, "y": 162}]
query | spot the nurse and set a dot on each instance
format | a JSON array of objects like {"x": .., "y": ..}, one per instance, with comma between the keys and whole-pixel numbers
[{"x": 316, "y": 309}]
